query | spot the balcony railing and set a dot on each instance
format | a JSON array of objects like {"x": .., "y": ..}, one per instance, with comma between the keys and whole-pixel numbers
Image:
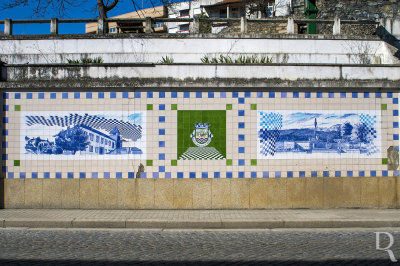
[{"x": 150, "y": 23}]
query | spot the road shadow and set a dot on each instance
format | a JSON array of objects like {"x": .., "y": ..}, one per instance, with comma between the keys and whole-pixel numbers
[
  {"x": 389, "y": 38},
  {"x": 198, "y": 263}
]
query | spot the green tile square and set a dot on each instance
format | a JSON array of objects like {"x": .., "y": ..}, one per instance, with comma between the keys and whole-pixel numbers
[
  {"x": 174, "y": 106},
  {"x": 384, "y": 160},
  {"x": 216, "y": 119},
  {"x": 149, "y": 163},
  {"x": 149, "y": 107},
  {"x": 17, "y": 108},
  {"x": 253, "y": 106},
  {"x": 17, "y": 162},
  {"x": 253, "y": 161},
  {"x": 384, "y": 106},
  {"x": 228, "y": 162},
  {"x": 228, "y": 106},
  {"x": 174, "y": 162}
]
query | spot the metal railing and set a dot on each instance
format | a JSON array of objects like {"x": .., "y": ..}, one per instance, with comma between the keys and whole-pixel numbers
[{"x": 149, "y": 23}]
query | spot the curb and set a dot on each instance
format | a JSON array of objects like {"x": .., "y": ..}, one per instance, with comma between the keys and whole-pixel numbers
[{"x": 211, "y": 224}]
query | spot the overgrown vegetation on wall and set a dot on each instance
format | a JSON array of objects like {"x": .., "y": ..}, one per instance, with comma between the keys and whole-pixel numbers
[
  {"x": 226, "y": 59},
  {"x": 86, "y": 60}
]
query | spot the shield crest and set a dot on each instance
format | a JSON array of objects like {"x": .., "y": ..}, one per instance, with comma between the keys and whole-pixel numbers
[{"x": 201, "y": 136}]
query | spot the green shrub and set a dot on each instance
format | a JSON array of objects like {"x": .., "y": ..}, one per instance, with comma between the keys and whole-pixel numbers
[
  {"x": 222, "y": 59},
  {"x": 166, "y": 60},
  {"x": 86, "y": 60}
]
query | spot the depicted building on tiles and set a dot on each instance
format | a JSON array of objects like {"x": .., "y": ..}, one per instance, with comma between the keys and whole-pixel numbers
[
  {"x": 100, "y": 143},
  {"x": 77, "y": 134}
]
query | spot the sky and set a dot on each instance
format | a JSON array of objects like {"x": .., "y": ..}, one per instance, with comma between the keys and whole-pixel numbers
[
  {"x": 325, "y": 119},
  {"x": 87, "y": 10}
]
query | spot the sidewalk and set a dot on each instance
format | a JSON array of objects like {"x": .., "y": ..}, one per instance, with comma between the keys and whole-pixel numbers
[{"x": 200, "y": 219}]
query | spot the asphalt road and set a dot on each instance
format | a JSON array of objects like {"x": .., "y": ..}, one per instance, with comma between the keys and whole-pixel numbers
[{"x": 171, "y": 247}]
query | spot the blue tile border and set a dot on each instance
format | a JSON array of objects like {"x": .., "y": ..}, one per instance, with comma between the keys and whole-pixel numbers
[
  {"x": 389, "y": 97},
  {"x": 229, "y": 174},
  {"x": 201, "y": 94}
]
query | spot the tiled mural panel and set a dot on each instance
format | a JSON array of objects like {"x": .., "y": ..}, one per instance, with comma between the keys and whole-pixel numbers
[{"x": 198, "y": 134}]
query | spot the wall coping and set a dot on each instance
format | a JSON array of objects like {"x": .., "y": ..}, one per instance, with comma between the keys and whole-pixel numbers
[{"x": 189, "y": 36}]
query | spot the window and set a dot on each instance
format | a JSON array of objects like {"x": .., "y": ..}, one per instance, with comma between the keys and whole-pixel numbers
[
  {"x": 113, "y": 30},
  {"x": 159, "y": 24},
  {"x": 97, "y": 139},
  {"x": 235, "y": 12},
  {"x": 96, "y": 150},
  {"x": 184, "y": 27},
  {"x": 90, "y": 148},
  {"x": 222, "y": 13},
  {"x": 91, "y": 136},
  {"x": 184, "y": 13},
  {"x": 113, "y": 145},
  {"x": 102, "y": 140},
  {"x": 270, "y": 9},
  {"x": 214, "y": 14}
]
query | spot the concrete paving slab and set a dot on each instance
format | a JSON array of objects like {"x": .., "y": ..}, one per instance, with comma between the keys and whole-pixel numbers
[
  {"x": 37, "y": 223},
  {"x": 200, "y": 219},
  {"x": 98, "y": 223}
]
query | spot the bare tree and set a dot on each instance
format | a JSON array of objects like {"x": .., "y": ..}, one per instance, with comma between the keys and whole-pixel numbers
[
  {"x": 361, "y": 52},
  {"x": 105, "y": 7},
  {"x": 61, "y": 7}
]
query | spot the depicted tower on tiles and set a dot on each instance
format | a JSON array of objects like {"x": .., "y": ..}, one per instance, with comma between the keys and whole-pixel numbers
[
  {"x": 116, "y": 135},
  {"x": 315, "y": 128}
]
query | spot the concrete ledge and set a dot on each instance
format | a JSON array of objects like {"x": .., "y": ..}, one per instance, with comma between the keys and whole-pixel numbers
[
  {"x": 200, "y": 72},
  {"x": 189, "y": 84},
  {"x": 185, "y": 36},
  {"x": 253, "y": 224},
  {"x": 98, "y": 223},
  {"x": 193, "y": 224},
  {"x": 37, "y": 223},
  {"x": 341, "y": 224}
]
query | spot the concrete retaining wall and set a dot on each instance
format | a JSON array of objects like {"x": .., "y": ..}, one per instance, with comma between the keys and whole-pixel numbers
[
  {"x": 203, "y": 72},
  {"x": 190, "y": 49}
]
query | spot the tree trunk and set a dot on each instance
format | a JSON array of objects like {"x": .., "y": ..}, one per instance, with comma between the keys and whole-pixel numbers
[{"x": 103, "y": 9}]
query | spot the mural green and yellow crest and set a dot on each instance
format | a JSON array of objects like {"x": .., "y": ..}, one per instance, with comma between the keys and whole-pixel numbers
[{"x": 201, "y": 135}]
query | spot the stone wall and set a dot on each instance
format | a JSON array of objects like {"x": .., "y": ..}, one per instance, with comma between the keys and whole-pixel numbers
[
  {"x": 351, "y": 10},
  {"x": 256, "y": 28},
  {"x": 266, "y": 193},
  {"x": 358, "y": 9}
]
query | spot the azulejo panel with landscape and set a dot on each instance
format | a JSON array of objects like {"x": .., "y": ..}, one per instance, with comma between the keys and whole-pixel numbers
[
  {"x": 82, "y": 135},
  {"x": 318, "y": 134}
]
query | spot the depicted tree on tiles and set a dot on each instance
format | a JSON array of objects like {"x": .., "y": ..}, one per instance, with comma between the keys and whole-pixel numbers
[{"x": 72, "y": 139}]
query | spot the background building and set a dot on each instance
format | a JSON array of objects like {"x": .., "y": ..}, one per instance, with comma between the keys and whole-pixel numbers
[
  {"x": 187, "y": 9},
  {"x": 133, "y": 27}
]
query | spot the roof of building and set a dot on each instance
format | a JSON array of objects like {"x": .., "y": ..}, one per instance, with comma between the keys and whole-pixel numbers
[
  {"x": 153, "y": 12},
  {"x": 96, "y": 131},
  {"x": 226, "y": 2}
]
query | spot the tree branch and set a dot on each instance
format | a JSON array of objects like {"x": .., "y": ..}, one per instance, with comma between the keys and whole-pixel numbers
[{"x": 111, "y": 6}]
